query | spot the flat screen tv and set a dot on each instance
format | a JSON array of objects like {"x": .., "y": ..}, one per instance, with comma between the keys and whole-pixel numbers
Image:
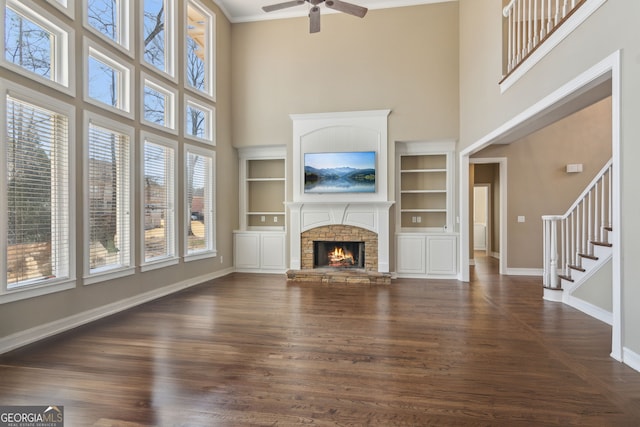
[{"x": 340, "y": 172}]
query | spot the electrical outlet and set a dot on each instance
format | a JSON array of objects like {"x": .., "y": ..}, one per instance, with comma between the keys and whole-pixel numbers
[
  {"x": 262, "y": 218},
  {"x": 413, "y": 219},
  {"x": 419, "y": 219},
  {"x": 275, "y": 219}
]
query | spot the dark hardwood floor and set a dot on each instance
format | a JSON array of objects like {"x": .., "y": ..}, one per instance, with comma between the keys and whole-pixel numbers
[{"x": 254, "y": 350}]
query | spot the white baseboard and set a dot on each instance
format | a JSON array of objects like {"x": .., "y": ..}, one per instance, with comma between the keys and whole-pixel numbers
[
  {"x": 524, "y": 272},
  {"x": 588, "y": 308},
  {"x": 495, "y": 255},
  {"x": 37, "y": 333},
  {"x": 631, "y": 358}
]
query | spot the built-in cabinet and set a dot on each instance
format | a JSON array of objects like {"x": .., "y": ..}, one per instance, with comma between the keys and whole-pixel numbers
[
  {"x": 260, "y": 243},
  {"x": 426, "y": 240}
]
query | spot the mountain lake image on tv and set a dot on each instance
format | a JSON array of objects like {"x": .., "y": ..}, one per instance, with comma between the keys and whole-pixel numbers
[{"x": 340, "y": 172}]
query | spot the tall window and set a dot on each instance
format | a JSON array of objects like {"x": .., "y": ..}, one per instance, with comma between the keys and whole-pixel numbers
[
  {"x": 158, "y": 35},
  {"x": 200, "y": 197},
  {"x": 36, "y": 44},
  {"x": 109, "y": 198},
  {"x": 108, "y": 82},
  {"x": 158, "y": 184},
  {"x": 199, "y": 48},
  {"x": 36, "y": 195},
  {"x": 111, "y": 20}
]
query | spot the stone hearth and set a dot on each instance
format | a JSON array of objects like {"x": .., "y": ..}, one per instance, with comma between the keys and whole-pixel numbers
[{"x": 336, "y": 278}]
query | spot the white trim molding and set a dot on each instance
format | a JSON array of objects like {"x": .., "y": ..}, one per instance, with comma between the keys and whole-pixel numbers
[{"x": 631, "y": 358}]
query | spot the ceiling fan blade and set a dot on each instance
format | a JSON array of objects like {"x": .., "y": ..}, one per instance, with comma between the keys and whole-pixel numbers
[
  {"x": 314, "y": 19},
  {"x": 284, "y": 5},
  {"x": 345, "y": 7}
]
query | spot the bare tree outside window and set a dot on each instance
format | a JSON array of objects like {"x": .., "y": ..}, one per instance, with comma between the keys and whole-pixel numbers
[
  {"x": 196, "y": 122},
  {"x": 103, "y": 82},
  {"x": 103, "y": 16},
  {"x": 155, "y": 43},
  {"x": 155, "y": 106},
  {"x": 195, "y": 65},
  {"x": 27, "y": 44},
  {"x": 198, "y": 28}
]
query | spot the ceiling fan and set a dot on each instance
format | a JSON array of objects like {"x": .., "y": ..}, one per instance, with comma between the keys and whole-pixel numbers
[{"x": 314, "y": 12}]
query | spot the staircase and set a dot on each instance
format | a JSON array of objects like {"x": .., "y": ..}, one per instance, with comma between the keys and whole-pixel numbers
[{"x": 578, "y": 243}]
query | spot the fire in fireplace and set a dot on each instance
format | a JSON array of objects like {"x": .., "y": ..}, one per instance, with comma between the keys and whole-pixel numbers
[{"x": 338, "y": 254}]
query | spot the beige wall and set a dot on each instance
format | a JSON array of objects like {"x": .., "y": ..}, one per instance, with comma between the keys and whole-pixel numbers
[
  {"x": 537, "y": 180},
  {"x": 25, "y": 314},
  {"x": 610, "y": 29},
  {"x": 597, "y": 289},
  {"x": 404, "y": 59}
]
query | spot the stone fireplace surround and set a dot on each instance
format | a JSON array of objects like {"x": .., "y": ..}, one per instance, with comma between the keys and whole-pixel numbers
[{"x": 340, "y": 233}]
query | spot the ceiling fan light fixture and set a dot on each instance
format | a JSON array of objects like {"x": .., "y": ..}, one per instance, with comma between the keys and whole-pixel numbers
[{"x": 314, "y": 12}]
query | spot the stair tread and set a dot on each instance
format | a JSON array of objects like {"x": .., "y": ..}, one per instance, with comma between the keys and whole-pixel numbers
[
  {"x": 588, "y": 256},
  {"x": 576, "y": 267},
  {"x": 567, "y": 278},
  {"x": 608, "y": 228},
  {"x": 605, "y": 244}
]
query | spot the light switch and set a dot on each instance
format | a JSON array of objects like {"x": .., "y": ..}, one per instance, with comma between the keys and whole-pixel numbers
[{"x": 520, "y": 218}]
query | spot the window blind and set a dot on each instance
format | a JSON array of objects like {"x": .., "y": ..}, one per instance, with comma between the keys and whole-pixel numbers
[
  {"x": 199, "y": 199},
  {"x": 37, "y": 171},
  {"x": 109, "y": 200},
  {"x": 159, "y": 209}
]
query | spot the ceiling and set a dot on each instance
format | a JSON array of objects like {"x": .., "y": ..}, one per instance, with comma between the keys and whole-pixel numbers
[{"x": 251, "y": 10}]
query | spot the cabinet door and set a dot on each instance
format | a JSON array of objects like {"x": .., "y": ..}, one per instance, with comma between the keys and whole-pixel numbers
[
  {"x": 273, "y": 251},
  {"x": 442, "y": 255},
  {"x": 247, "y": 250},
  {"x": 410, "y": 255}
]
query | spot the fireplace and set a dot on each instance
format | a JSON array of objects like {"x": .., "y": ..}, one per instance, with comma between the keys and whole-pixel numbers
[{"x": 336, "y": 254}]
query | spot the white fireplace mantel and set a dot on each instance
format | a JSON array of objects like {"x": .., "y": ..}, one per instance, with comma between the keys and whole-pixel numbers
[
  {"x": 373, "y": 216},
  {"x": 340, "y": 131}
]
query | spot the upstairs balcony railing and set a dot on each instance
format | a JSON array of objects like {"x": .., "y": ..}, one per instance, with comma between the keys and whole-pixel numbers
[{"x": 530, "y": 22}]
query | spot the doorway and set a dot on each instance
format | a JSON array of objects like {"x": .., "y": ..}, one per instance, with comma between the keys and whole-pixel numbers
[{"x": 482, "y": 218}]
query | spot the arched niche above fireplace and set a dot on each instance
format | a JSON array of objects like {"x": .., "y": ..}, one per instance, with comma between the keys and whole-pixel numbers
[{"x": 339, "y": 132}]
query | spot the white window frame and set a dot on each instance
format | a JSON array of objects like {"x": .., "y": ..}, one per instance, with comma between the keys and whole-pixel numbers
[
  {"x": 210, "y": 216},
  {"x": 65, "y": 6},
  {"x": 46, "y": 286},
  {"x": 210, "y": 120},
  {"x": 166, "y": 261},
  {"x": 102, "y": 274},
  {"x": 210, "y": 62},
  {"x": 170, "y": 39},
  {"x": 171, "y": 96},
  {"x": 124, "y": 24},
  {"x": 63, "y": 50},
  {"x": 125, "y": 88}
]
